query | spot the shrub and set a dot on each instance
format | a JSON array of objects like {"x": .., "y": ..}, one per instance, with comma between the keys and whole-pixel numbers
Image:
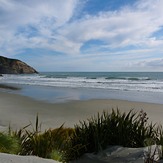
[{"x": 95, "y": 134}]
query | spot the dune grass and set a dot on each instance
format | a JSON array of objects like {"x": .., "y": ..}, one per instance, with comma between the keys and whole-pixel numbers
[{"x": 90, "y": 136}]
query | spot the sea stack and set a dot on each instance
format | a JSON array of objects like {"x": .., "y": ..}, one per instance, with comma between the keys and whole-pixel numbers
[{"x": 14, "y": 66}]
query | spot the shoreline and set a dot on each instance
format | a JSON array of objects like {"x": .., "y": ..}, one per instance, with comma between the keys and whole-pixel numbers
[
  {"x": 19, "y": 111},
  {"x": 52, "y": 94}
]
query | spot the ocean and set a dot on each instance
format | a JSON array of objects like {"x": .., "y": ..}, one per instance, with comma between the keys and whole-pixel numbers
[{"x": 114, "y": 85}]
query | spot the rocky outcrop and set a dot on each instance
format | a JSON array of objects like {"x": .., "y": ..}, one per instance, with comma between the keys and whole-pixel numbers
[{"x": 14, "y": 66}]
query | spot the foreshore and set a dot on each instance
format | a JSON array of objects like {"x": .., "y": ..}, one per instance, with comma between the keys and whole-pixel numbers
[{"x": 19, "y": 111}]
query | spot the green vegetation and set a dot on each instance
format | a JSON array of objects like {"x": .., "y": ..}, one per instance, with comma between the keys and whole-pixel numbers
[
  {"x": 95, "y": 134},
  {"x": 9, "y": 144},
  {"x": 91, "y": 136},
  {"x": 47, "y": 144}
]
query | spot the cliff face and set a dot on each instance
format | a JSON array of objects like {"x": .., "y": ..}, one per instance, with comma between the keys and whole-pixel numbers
[{"x": 14, "y": 66}]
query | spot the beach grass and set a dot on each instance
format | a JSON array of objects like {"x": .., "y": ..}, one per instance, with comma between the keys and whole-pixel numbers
[{"x": 95, "y": 134}]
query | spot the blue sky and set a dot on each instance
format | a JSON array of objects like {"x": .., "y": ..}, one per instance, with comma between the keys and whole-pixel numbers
[{"x": 83, "y": 35}]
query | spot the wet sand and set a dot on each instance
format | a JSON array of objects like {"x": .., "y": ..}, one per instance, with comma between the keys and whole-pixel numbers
[{"x": 19, "y": 111}]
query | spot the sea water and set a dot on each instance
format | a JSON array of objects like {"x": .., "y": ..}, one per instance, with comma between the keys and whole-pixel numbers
[{"x": 142, "y": 86}]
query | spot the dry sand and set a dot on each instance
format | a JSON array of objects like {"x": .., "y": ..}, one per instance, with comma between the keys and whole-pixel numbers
[
  {"x": 8, "y": 158},
  {"x": 18, "y": 111}
]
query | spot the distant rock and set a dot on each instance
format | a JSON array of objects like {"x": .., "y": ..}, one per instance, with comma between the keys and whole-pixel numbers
[{"x": 14, "y": 66}]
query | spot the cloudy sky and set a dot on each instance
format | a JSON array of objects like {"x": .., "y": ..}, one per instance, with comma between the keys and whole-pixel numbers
[{"x": 83, "y": 35}]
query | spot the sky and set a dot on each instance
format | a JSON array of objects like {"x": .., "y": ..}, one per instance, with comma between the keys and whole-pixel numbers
[{"x": 83, "y": 35}]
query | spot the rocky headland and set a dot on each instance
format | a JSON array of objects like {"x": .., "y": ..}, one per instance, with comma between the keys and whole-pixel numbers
[{"x": 14, "y": 66}]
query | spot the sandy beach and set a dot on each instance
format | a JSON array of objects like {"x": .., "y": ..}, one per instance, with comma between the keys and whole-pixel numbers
[{"x": 19, "y": 111}]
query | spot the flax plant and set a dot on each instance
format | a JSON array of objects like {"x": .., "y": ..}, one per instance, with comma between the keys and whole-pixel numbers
[{"x": 126, "y": 129}]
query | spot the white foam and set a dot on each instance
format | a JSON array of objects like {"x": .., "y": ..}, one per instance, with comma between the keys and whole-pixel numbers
[{"x": 83, "y": 82}]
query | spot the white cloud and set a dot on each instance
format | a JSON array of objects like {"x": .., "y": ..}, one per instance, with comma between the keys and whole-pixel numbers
[
  {"x": 52, "y": 29},
  {"x": 154, "y": 63},
  {"x": 18, "y": 13},
  {"x": 44, "y": 16},
  {"x": 129, "y": 26}
]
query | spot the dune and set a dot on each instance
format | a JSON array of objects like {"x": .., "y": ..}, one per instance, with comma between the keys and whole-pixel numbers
[{"x": 8, "y": 158}]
